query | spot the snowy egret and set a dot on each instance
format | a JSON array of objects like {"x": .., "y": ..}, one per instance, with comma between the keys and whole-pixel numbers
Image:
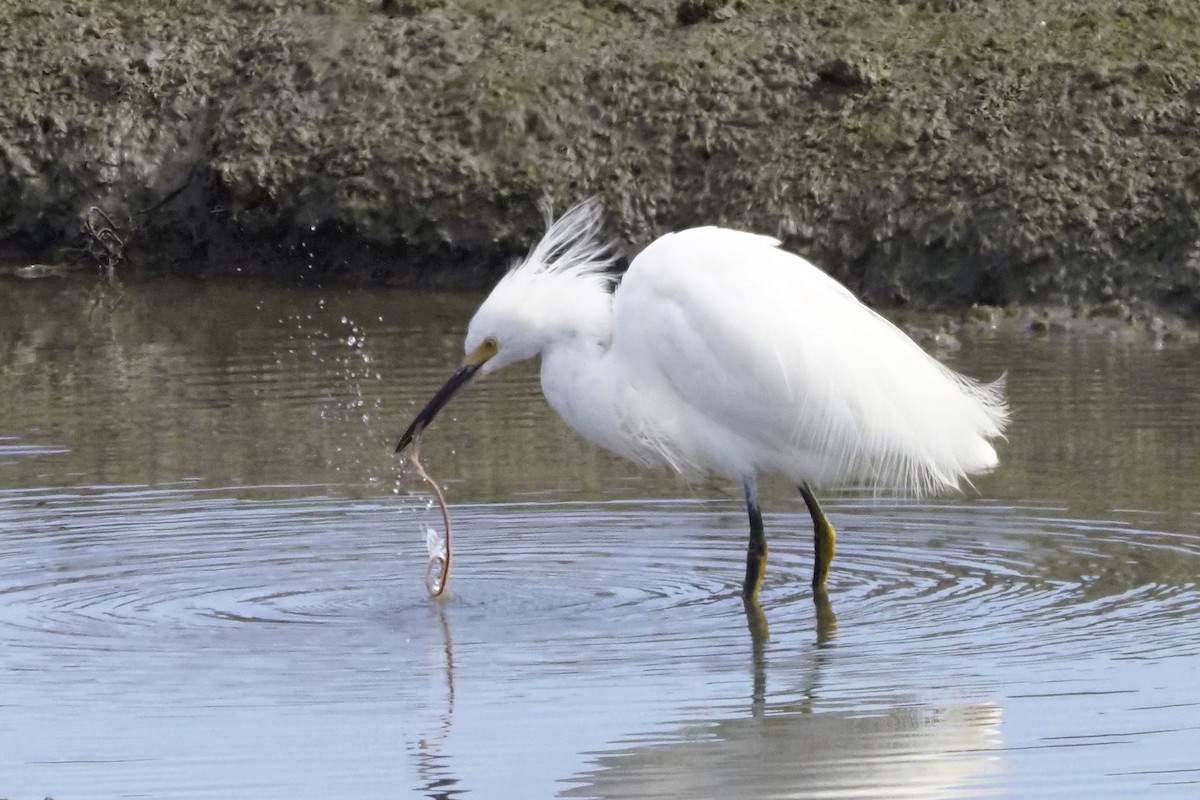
[{"x": 719, "y": 352}]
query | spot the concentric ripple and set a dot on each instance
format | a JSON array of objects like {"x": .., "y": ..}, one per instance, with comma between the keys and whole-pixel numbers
[
  {"x": 106, "y": 567},
  {"x": 1017, "y": 583},
  {"x": 100, "y": 563}
]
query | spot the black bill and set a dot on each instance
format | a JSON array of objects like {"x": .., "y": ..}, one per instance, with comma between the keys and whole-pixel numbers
[{"x": 461, "y": 377}]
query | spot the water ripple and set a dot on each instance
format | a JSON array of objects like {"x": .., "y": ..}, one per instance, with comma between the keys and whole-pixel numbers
[{"x": 103, "y": 566}]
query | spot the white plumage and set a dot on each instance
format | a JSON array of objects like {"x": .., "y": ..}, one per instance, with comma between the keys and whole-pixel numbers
[
  {"x": 797, "y": 376},
  {"x": 720, "y": 352}
]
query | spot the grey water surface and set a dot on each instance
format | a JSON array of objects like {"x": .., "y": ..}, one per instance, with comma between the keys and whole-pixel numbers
[{"x": 211, "y": 578}]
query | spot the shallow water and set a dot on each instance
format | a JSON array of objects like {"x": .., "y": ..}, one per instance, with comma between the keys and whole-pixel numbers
[{"x": 211, "y": 578}]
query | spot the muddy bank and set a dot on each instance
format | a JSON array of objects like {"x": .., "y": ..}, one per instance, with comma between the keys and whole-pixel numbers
[{"x": 934, "y": 152}]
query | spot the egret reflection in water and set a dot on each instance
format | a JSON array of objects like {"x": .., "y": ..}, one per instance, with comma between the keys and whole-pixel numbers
[{"x": 903, "y": 751}]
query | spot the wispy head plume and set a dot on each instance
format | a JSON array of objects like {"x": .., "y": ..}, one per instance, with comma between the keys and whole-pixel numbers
[{"x": 574, "y": 246}]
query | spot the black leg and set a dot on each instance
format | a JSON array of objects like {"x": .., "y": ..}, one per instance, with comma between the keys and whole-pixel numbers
[{"x": 756, "y": 553}]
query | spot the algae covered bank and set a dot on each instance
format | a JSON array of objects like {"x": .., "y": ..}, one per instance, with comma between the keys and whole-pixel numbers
[{"x": 928, "y": 152}]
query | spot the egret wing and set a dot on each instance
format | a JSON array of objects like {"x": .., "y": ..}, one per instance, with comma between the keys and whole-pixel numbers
[{"x": 749, "y": 358}]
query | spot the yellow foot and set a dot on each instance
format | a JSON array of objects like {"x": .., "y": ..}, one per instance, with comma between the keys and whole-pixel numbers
[
  {"x": 756, "y": 565},
  {"x": 824, "y": 545},
  {"x": 756, "y": 621},
  {"x": 824, "y": 538}
]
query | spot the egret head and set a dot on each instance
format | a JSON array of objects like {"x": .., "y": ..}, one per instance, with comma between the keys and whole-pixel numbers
[
  {"x": 509, "y": 327},
  {"x": 562, "y": 289}
]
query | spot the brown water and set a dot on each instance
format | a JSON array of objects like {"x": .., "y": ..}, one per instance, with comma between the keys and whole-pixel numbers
[{"x": 211, "y": 578}]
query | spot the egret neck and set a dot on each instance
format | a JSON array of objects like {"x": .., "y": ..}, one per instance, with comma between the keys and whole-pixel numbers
[{"x": 587, "y": 388}]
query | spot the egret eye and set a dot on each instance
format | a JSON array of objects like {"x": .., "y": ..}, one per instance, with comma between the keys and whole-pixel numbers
[{"x": 489, "y": 346}]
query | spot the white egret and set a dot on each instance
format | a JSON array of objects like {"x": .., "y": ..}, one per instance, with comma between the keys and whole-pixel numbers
[{"x": 719, "y": 352}]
